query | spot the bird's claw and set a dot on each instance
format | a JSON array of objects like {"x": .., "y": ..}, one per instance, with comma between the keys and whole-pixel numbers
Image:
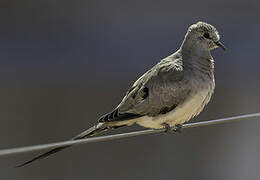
[
  {"x": 169, "y": 129},
  {"x": 177, "y": 128}
]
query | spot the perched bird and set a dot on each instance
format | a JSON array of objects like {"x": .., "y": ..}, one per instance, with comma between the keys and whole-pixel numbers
[{"x": 175, "y": 90}]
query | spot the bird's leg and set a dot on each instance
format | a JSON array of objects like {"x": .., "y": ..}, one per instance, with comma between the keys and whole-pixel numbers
[
  {"x": 177, "y": 128},
  {"x": 169, "y": 129}
]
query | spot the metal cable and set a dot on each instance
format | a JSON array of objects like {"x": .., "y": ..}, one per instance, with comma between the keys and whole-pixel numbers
[{"x": 12, "y": 151}]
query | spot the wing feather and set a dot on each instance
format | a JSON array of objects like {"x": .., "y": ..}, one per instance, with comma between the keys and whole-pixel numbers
[{"x": 158, "y": 91}]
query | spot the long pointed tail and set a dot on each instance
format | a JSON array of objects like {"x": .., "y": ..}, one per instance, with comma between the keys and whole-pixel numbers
[{"x": 93, "y": 131}]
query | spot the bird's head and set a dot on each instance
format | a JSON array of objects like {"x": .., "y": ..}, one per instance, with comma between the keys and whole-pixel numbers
[{"x": 203, "y": 35}]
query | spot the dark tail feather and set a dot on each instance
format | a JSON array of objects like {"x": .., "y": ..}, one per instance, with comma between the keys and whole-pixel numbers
[
  {"x": 44, "y": 155},
  {"x": 93, "y": 131}
]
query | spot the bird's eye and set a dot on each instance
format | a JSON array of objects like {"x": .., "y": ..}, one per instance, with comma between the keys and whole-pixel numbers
[{"x": 206, "y": 35}]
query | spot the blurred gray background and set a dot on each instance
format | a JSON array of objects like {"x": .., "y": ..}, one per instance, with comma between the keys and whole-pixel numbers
[{"x": 63, "y": 63}]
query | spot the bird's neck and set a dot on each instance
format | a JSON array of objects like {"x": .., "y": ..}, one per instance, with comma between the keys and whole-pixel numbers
[
  {"x": 196, "y": 56},
  {"x": 194, "y": 48}
]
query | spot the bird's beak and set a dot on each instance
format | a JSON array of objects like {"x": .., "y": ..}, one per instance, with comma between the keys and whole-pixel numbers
[{"x": 219, "y": 44}]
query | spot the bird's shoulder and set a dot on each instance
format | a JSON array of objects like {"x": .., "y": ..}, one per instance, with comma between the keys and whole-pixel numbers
[{"x": 170, "y": 67}]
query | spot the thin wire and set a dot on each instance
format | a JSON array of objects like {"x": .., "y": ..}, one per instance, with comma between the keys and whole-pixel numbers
[{"x": 12, "y": 151}]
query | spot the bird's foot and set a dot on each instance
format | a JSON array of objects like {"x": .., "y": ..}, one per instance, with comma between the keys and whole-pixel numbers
[
  {"x": 177, "y": 128},
  {"x": 169, "y": 129}
]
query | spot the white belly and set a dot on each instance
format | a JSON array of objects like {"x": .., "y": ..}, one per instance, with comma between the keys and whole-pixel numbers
[{"x": 182, "y": 113}]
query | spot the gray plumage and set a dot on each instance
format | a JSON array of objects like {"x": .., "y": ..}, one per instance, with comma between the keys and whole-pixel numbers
[{"x": 171, "y": 93}]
